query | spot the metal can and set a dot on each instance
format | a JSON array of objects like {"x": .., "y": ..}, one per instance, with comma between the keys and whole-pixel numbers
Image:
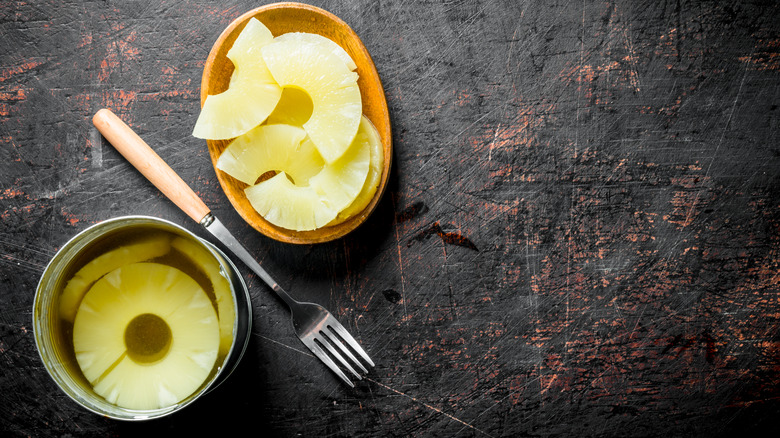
[{"x": 54, "y": 330}]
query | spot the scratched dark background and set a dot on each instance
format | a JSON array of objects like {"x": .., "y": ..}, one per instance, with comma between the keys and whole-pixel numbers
[{"x": 581, "y": 236}]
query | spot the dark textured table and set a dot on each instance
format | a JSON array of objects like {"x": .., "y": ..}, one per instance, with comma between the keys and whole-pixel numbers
[{"x": 581, "y": 236}]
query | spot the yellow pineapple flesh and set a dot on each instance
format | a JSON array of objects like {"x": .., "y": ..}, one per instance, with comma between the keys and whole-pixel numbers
[
  {"x": 303, "y": 208},
  {"x": 340, "y": 182},
  {"x": 155, "y": 245},
  {"x": 367, "y": 133},
  {"x": 107, "y": 341},
  {"x": 225, "y": 304},
  {"x": 271, "y": 148},
  {"x": 294, "y": 108},
  {"x": 252, "y": 95},
  {"x": 286, "y": 205},
  {"x": 326, "y": 43},
  {"x": 332, "y": 87}
]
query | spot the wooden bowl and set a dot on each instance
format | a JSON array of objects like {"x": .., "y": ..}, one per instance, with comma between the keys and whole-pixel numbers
[{"x": 295, "y": 17}]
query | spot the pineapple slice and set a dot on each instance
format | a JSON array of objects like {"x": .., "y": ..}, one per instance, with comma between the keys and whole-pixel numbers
[
  {"x": 326, "y": 43},
  {"x": 225, "y": 305},
  {"x": 371, "y": 136},
  {"x": 153, "y": 246},
  {"x": 304, "y": 208},
  {"x": 246, "y": 48},
  {"x": 295, "y": 106},
  {"x": 340, "y": 182},
  {"x": 271, "y": 147},
  {"x": 332, "y": 87},
  {"x": 286, "y": 205},
  {"x": 146, "y": 336},
  {"x": 252, "y": 94}
]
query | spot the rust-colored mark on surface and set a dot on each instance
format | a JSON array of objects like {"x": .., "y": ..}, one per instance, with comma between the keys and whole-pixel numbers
[
  {"x": 451, "y": 238},
  {"x": 8, "y": 72},
  {"x": 118, "y": 51},
  {"x": 13, "y": 95},
  {"x": 70, "y": 217},
  {"x": 11, "y": 193},
  {"x": 462, "y": 98},
  {"x": 683, "y": 343},
  {"x": 86, "y": 40},
  {"x": 710, "y": 349},
  {"x": 765, "y": 56},
  {"x": 17, "y": 211},
  {"x": 119, "y": 99},
  {"x": 668, "y": 47}
]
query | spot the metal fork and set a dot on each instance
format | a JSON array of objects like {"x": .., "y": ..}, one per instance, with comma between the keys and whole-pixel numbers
[
  {"x": 317, "y": 328},
  {"x": 314, "y": 325}
]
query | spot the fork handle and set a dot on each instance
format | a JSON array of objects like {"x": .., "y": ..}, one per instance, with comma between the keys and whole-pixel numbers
[{"x": 143, "y": 158}]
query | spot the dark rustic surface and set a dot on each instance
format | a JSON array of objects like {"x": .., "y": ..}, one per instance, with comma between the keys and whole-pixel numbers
[{"x": 580, "y": 238}]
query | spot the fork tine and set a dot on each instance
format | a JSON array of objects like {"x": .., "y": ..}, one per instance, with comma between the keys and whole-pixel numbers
[
  {"x": 328, "y": 343},
  {"x": 335, "y": 340},
  {"x": 326, "y": 359},
  {"x": 338, "y": 328}
]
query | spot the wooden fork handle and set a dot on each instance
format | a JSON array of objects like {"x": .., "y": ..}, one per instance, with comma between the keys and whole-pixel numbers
[{"x": 143, "y": 158}]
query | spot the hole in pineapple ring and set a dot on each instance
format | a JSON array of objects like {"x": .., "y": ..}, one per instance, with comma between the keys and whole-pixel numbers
[
  {"x": 295, "y": 107},
  {"x": 147, "y": 338},
  {"x": 270, "y": 174}
]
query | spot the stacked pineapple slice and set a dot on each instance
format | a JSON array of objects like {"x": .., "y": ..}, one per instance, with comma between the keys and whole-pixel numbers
[
  {"x": 151, "y": 246},
  {"x": 147, "y": 335},
  {"x": 326, "y": 156}
]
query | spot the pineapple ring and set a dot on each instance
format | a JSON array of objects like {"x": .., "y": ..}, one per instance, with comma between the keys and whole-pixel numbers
[
  {"x": 271, "y": 147},
  {"x": 252, "y": 94},
  {"x": 331, "y": 85},
  {"x": 77, "y": 286},
  {"x": 334, "y": 188},
  {"x": 101, "y": 346},
  {"x": 340, "y": 182}
]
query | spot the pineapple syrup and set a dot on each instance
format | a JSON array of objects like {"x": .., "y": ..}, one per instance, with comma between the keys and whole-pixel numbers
[{"x": 147, "y": 337}]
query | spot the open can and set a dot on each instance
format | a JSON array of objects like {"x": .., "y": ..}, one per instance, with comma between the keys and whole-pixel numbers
[{"x": 101, "y": 254}]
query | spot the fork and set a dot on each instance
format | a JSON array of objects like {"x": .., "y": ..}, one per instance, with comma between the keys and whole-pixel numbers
[{"x": 317, "y": 328}]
